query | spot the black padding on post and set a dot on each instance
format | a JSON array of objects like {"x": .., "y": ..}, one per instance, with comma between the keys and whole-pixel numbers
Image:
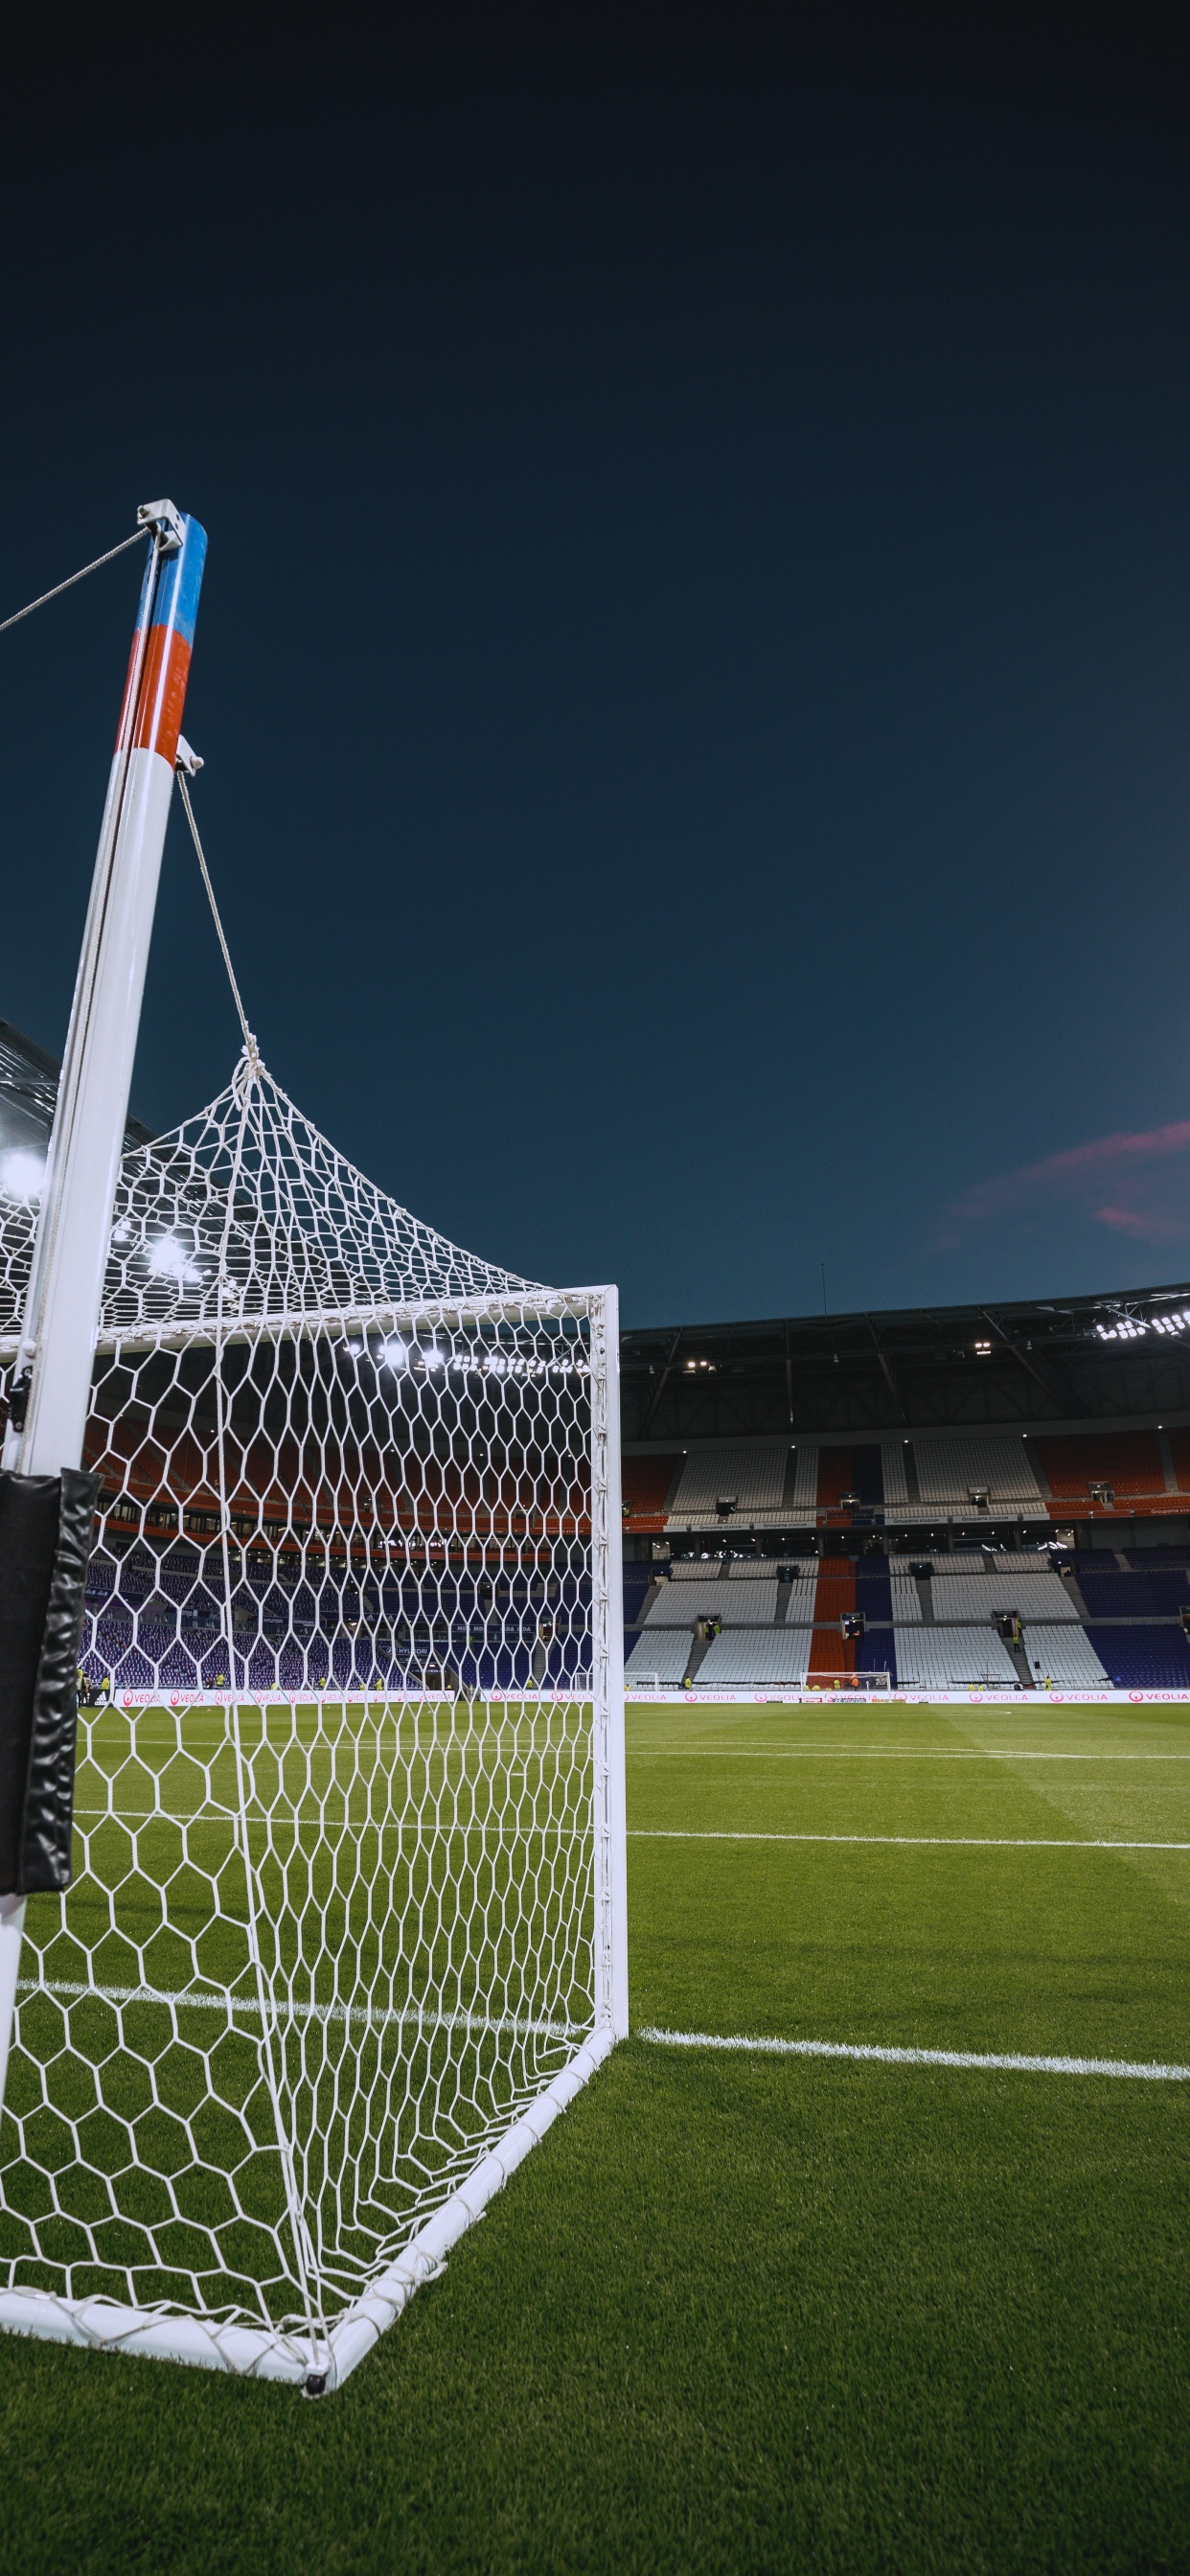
[
  {"x": 49, "y": 1788},
  {"x": 46, "y": 1530},
  {"x": 28, "y": 1546}
]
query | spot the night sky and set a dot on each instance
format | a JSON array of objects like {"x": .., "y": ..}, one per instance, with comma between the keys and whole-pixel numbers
[{"x": 694, "y": 663}]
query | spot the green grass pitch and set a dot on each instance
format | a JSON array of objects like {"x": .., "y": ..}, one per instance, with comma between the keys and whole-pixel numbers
[{"x": 754, "y": 2312}]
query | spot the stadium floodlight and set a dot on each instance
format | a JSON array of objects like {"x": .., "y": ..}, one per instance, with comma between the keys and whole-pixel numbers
[
  {"x": 22, "y": 1174},
  {"x": 169, "y": 1259}
]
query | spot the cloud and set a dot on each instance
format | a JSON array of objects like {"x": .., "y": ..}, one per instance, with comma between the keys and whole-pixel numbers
[{"x": 1148, "y": 1175}]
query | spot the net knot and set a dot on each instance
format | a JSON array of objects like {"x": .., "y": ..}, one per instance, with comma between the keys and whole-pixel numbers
[{"x": 250, "y": 1066}]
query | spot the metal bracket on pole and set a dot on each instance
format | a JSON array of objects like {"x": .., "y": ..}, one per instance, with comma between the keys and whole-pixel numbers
[
  {"x": 163, "y": 522},
  {"x": 186, "y": 759}
]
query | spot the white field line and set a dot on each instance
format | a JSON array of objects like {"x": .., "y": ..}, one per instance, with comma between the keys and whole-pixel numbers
[
  {"x": 465, "y": 1830},
  {"x": 220, "y": 2000},
  {"x": 949, "y": 1842},
  {"x": 1014, "y": 2064}
]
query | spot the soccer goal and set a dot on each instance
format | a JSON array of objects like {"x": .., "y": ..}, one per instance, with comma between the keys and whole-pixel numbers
[
  {"x": 346, "y": 1927},
  {"x": 851, "y": 1682}
]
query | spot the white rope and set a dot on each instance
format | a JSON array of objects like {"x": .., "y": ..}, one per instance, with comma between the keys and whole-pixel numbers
[
  {"x": 250, "y": 1045},
  {"x": 60, "y": 586}
]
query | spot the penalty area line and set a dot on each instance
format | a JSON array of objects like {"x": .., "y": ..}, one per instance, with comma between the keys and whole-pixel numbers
[{"x": 990, "y": 2061}]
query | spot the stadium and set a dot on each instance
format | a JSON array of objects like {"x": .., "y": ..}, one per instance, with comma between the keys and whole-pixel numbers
[
  {"x": 594, "y": 1843},
  {"x": 344, "y": 1588}
]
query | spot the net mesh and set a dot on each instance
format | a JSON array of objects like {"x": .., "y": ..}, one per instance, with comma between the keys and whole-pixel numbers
[{"x": 333, "y": 1919}]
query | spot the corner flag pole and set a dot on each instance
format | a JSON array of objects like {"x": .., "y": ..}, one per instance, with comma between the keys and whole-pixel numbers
[{"x": 51, "y": 1384}]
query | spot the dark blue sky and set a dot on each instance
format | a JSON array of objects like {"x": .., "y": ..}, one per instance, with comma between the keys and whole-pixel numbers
[{"x": 694, "y": 662}]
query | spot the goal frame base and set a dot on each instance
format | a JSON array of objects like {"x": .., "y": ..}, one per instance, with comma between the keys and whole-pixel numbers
[{"x": 318, "y": 2367}]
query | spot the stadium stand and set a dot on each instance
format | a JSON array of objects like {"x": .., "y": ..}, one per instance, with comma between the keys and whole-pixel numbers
[
  {"x": 894, "y": 1476},
  {"x": 1033, "y": 1595},
  {"x": 1144, "y": 1594},
  {"x": 1129, "y": 1462},
  {"x": 748, "y": 1659},
  {"x": 1179, "y": 1450},
  {"x": 645, "y": 1488},
  {"x": 953, "y": 1472},
  {"x": 956, "y": 1560},
  {"x": 665, "y": 1655},
  {"x": 951, "y": 1658},
  {"x": 751, "y": 1480},
  {"x": 1143, "y": 1658},
  {"x": 876, "y": 1653},
  {"x": 678, "y": 1605},
  {"x": 855, "y": 1470},
  {"x": 906, "y": 1599},
  {"x": 835, "y": 1595},
  {"x": 752, "y": 1603},
  {"x": 1065, "y": 1656},
  {"x": 636, "y": 1584},
  {"x": 988, "y": 1432},
  {"x": 832, "y": 1653},
  {"x": 873, "y": 1589},
  {"x": 801, "y": 1490},
  {"x": 801, "y": 1595}
]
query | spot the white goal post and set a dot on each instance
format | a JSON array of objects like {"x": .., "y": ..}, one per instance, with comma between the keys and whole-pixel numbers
[{"x": 347, "y": 1921}]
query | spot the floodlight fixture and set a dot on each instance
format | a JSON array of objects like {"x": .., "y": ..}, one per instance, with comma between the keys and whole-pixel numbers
[{"x": 169, "y": 1259}]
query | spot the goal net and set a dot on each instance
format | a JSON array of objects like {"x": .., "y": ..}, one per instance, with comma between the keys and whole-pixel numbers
[
  {"x": 880, "y": 1680},
  {"x": 346, "y": 1922}
]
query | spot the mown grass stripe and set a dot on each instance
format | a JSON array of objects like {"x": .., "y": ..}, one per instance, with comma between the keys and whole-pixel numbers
[{"x": 1014, "y": 2063}]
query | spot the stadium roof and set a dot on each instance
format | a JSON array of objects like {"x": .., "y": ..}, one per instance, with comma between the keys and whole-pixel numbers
[{"x": 1115, "y": 1358}]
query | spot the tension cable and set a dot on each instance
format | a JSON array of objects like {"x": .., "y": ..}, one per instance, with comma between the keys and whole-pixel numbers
[{"x": 60, "y": 586}]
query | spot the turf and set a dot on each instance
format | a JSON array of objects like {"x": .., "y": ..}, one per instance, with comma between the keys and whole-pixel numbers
[{"x": 746, "y": 2313}]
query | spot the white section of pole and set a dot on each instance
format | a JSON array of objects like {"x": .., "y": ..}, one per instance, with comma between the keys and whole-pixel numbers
[
  {"x": 12, "y": 1925},
  {"x": 607, "y": 1676},
  {"x": 66, "y": 1285},
  {"x": 57, "y": 1349}
]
